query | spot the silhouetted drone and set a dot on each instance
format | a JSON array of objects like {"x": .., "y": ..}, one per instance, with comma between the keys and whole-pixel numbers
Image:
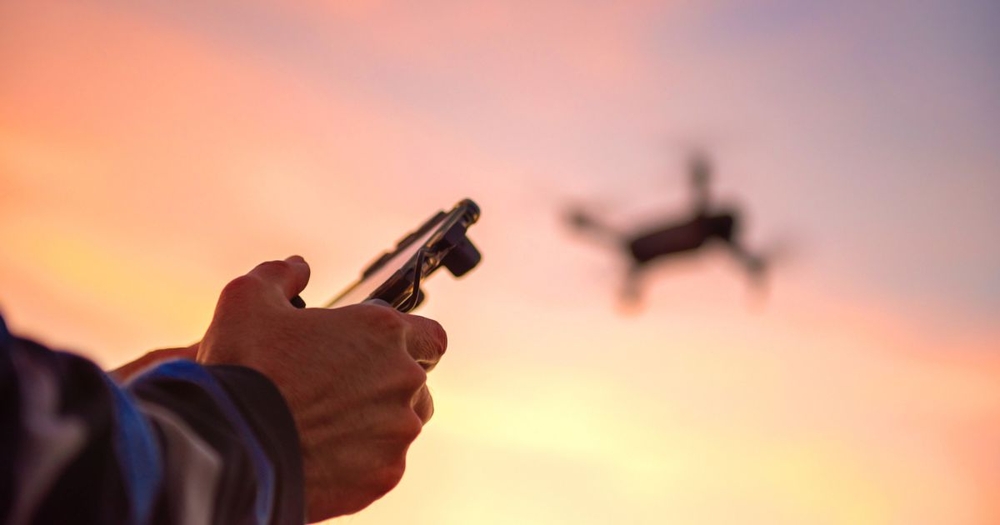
[{"x": 647, "y": 246}]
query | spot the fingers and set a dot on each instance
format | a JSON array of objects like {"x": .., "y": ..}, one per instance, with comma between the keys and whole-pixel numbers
[
  {"x": 423, "y": 404},
  {"x": 426, "y": 341},
  {"x": 128, "y": 370},
  {"x": 289, "y": 276}
]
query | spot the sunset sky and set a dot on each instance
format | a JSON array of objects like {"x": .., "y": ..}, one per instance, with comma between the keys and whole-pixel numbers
[{"x": 150, "y": 151}]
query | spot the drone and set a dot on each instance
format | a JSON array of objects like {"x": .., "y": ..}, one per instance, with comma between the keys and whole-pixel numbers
[{"x": 704, "y": 226}]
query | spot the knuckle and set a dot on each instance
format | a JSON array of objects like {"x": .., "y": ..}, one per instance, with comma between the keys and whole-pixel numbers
[
  {"x": 410, "y": 428},
  {"x": 238, "y": 289},
  {"x": 387, "y": 478},
  {"x": 428, "y": 342},
  {"x": 413, "y": 377},
  {"x": 438, "y": 337},
  {"x": 423, "y": 405},
  {"x": 383, "y": 318}
]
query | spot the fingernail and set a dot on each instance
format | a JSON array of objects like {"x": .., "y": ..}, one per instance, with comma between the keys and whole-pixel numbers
[{"x": 295, "y": 259}]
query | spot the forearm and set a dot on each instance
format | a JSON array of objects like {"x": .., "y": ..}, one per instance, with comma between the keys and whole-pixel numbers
[{"x": 179, "y": 444}]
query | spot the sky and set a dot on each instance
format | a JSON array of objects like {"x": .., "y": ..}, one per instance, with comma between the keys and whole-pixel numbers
[{"x": 151, "y": 151}]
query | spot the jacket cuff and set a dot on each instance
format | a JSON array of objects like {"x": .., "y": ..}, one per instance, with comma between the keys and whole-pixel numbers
[{"x": 267, "y": 413}]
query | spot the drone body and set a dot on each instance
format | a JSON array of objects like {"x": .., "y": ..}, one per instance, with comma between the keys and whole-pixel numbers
[{"x": 703, "y": 227}]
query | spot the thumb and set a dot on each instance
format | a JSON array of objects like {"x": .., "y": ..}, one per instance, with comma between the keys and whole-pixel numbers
[{"x": 289, "y": 276}]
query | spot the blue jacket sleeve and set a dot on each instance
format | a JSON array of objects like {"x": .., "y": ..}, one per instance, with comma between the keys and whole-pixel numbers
[{"x": 181, "y": 443}]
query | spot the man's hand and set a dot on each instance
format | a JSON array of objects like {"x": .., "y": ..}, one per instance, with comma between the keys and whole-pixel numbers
[
  {"x": 354, "y": 379},
  {"x": 126, "y": 371}
]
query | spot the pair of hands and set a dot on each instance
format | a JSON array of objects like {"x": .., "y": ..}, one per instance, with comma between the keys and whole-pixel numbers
[{"x": 353, "y": 377}]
